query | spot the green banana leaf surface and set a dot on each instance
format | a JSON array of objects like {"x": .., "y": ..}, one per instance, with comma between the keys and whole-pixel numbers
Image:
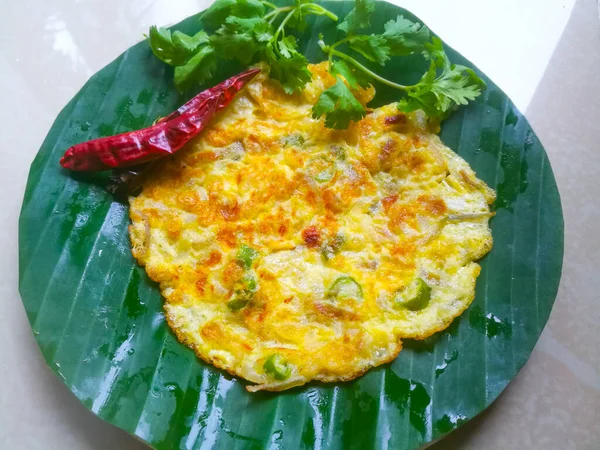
[{"x": 99, "y": 322}]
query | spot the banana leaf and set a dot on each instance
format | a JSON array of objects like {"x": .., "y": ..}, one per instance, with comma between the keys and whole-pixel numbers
[{"x": 99, "y": 322}]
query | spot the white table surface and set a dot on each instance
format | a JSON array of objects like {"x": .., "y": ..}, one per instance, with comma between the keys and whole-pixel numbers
[{"x": 544, "y": 53}]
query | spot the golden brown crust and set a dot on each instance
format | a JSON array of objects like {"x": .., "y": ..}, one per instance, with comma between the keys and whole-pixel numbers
[{"x": 381, "y": 203}]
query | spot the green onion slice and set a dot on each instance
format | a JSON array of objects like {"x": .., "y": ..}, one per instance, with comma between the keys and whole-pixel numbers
[
  {"x": 338, "y": 151},
  {"x": 240, "y": 299},
  {"x": 277, "y": 367},
  {"x": 345, "y": 288},
  {"x": 321, "y": 168},
  {"x": 246, "y": 255},
  {"x": 293, "y": 140},
  {"x": 415, "y": 296},
  {"x": 247, "y": 282},
  {"x": 333, "y": 247}
]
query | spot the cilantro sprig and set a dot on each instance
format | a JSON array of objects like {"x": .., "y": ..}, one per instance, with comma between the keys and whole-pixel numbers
[
  {"x": 256, "y": 30},
  {"x": 442, "y": 89},
  {"x": 244, "y": 30}
]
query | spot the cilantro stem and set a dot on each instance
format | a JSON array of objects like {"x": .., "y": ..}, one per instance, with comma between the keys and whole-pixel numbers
[
  {"x": 273, "y": 14},
  {"x": 311, "y": 8},
  {"x": 332, "y": 46},
  {"x": 282, "y": 24},
  {"x": 359, "y": 66},
  {"x": 340, "y": 42},
  {"x": 318, "y": 10},
  {"x": 269, "y": 4}
]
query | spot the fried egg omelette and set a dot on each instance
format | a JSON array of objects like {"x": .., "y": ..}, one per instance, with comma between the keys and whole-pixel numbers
[{"x": 288, "y": 252}]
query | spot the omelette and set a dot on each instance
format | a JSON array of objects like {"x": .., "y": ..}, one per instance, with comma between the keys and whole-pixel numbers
[{"x": 288, "y": 252}]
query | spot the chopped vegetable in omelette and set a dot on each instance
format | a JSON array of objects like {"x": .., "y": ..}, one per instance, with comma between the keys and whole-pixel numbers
[{"x": 289, "y": 252}]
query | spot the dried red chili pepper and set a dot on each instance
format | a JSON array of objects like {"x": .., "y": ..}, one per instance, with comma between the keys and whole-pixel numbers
[
  {"x": 140, "y": 146},
  {"x": 162, "y": 139},
  {"x": 229, "y": 87}
]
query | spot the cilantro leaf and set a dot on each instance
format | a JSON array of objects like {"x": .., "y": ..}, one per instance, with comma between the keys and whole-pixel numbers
[
  {"x": 288, "y": 66},
  {"x": 292, "y": 73},
  {"x": 189, "y": 43},
  {"x": 238, "y": 38},
  {"x": 439, "y": 95},
  {"x": 177, "y": 48},
  {"x": 434, "y": 51},
  {"x": 220, "y": 10},
  {"x": 298, "y": 19},
  {"x": 197, "y": 70},
  {"x": 248, "y": 8},
  {"x": 358, "y": 17},
  {"x": 235, "y": 46},
  {"x": 287, "y": 46},
  {"x": 216, "y": 14},
  {"x": 405, "y": 37},
  {"x": 353, "y": 77},
  {"x": 373, "y": 47},
  {"x": 244, "y": 24},
  {"x": 263, "y": 31},
  {"x": 339, "y": 106},
  {"x": 455, "y": 87}
]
